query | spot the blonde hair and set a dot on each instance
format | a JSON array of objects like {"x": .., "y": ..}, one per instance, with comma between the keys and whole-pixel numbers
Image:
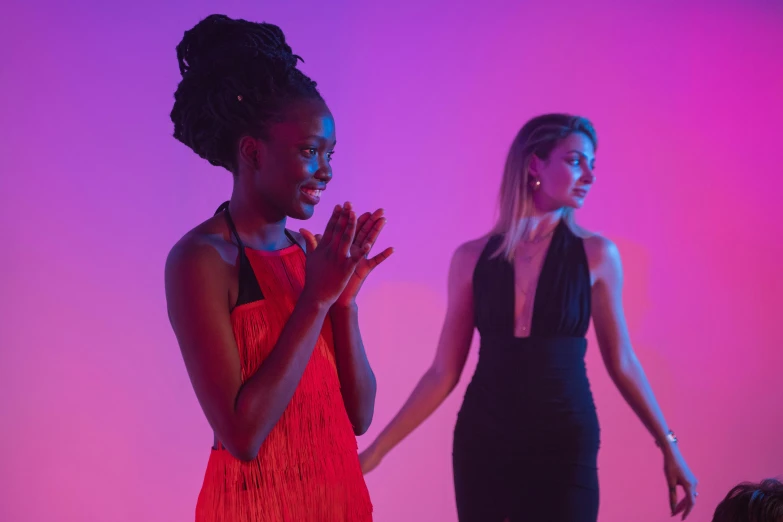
[{"x": 538, "y": 136}]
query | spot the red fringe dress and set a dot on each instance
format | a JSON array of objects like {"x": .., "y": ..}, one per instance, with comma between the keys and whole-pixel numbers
[{"x": 307, "y": 468}]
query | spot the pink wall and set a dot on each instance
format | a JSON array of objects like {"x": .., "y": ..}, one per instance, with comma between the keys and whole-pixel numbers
[{"x": 99, "y": 422}]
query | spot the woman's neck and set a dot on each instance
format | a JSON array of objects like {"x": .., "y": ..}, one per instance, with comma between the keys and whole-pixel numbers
[
  {"x": 258, "y": 229},
  {"x": 541, "y": 223}
]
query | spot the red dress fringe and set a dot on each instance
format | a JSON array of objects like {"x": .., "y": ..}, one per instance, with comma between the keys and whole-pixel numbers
[{"x": 308, "y": 467}]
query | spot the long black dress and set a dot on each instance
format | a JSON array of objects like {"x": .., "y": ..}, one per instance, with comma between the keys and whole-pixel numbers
[{"x": 527, "y": 435}]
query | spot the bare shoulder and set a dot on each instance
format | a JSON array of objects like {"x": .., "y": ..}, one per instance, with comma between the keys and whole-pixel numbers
[
  {"x": 600, "y": 248},
  {"x": 465, "y": 257},
  {"x": 472, "y": 248},
  {"x": 203, "y": 249},
  {"x": 603, "y": 256}
]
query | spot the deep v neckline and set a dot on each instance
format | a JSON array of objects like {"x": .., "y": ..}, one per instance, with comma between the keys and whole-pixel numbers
[{"x": 536, "y": 286}]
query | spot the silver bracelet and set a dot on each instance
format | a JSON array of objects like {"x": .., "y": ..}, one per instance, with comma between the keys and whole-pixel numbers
[{"x": 670, "y": 437}]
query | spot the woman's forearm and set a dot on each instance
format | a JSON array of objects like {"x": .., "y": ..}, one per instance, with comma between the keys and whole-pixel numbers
[
  {"x": 430, "y": 392},
  {"x": 357, "y": 381},
  {"x": 631, "y": 381}
]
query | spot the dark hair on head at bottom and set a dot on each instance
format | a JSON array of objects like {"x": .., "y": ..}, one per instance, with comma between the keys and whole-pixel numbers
[
  {"x": 237, "y": 79},
  {"x": 751, "y": 502}
]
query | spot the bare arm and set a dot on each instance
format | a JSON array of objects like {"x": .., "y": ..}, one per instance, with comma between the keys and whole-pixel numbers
[
  {"x": 625, "y": 369},
  {"x": 617, "y": 352},
  {"x": 241, "y": 415},
  {"x": 453, "y": 347},
  {"x": 356, "y": 376}
]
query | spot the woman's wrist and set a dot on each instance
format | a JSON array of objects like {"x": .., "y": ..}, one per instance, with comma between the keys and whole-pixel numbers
[{"x": 667, "y": 443}]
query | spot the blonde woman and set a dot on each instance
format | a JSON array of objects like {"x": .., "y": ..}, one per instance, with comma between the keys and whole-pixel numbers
[{"x": 527, "y": 435}]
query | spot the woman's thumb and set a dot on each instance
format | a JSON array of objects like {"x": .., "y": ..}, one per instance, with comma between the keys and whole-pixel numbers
[{"x": 310, "y": 240}]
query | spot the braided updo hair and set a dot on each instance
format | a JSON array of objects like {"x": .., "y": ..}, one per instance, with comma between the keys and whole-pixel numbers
[{"x": 237, "y": 79}]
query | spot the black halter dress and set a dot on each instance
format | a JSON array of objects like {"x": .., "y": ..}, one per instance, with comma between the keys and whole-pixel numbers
[{"x": 527, "y": 434}]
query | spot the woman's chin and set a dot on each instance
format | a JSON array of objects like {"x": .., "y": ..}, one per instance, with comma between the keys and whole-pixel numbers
[{"x": 303, "y": 211}]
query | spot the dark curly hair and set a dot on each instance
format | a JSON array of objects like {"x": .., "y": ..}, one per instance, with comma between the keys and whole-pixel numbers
[
  {"x": 751, "y": 502},
  {"x": 237, "y": 78}
]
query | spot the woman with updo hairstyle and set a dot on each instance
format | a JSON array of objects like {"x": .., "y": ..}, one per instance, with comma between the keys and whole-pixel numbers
[{"x": 266, "y": 318}]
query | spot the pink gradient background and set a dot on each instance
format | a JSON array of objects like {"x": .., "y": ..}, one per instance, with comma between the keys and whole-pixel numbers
[{"x": 99, "y": 422}]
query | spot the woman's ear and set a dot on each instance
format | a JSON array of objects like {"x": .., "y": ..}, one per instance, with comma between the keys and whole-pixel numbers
[{"x": 251, "y": 152}]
